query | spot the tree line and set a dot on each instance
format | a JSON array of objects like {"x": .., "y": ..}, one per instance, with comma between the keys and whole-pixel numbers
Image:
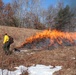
[{"x": 31, "y": 14}]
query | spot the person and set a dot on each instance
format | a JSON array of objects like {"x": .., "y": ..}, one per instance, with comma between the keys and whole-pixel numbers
[{"x": 6, "y": 44}]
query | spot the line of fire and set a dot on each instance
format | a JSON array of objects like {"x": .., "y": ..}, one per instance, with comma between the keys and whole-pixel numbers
[{"x": 50, "y": 39}]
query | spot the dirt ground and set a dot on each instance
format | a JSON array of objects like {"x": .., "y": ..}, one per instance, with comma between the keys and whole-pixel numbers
[{"x": 63, "y": 56}]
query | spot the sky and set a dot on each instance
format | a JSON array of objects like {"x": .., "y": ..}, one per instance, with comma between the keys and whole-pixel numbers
[
  {"x": 32, "y": 70},
  {"x": 47, "y": 3},
  {"x": 6, "y": 1},
  {"x": 71, "y": 3}
]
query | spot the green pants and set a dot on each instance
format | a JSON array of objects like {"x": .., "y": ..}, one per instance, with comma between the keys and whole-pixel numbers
[{"x": 6, "y": 47}]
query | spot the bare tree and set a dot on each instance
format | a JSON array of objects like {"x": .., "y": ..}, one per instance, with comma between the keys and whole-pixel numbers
[
  {"x": 1, "y": 12},
  {"x": 51, "y": 14},
  {"x": 6, "y": 13},
  {"x": 25, "y": 9},
  {"x": 17, "y": 6}
]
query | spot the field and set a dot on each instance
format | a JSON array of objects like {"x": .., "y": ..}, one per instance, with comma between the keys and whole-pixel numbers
[{"x": 62, "y": 56}]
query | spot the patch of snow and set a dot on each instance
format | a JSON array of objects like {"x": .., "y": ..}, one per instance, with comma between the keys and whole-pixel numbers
[
  {"x": 42, "y": 70},
  {"x": 73, "y": 58},
  {"x": 21, "y": 69},
  {"x": 32, "y": 70},
  {"x": 32, "y": 52},
  {"x": 28, "y": 53},
  {"x": 24, "y": 50}
]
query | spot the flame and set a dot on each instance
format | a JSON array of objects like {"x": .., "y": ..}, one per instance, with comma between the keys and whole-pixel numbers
[{"x": 52, "y": 35}]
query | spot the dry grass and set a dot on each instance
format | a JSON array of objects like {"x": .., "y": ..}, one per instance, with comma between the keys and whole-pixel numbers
[{"x": 65, "y": 57}]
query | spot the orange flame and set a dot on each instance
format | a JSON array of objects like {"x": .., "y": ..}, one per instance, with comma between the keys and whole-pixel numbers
[{"x": 52, "y": 35}]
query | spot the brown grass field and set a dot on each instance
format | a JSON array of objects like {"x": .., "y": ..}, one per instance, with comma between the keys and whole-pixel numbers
[{"x": 63, "y": 56}]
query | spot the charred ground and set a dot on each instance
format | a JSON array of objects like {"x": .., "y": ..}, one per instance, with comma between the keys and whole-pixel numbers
[{"x": 63, "y": 56}]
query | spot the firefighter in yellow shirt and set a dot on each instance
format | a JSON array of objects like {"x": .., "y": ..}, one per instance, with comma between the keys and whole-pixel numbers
[{"x": 6, "y": 44}]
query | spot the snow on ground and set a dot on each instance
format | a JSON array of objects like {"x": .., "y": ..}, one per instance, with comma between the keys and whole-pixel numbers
[
  {"x": 32, "y": 70},
  {"x": 19, "y": 71},
  {"x": 42, "y": 70}
]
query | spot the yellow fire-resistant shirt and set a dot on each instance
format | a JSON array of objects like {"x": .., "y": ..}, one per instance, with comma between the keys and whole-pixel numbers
[{"x": 6, "y": 38}]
